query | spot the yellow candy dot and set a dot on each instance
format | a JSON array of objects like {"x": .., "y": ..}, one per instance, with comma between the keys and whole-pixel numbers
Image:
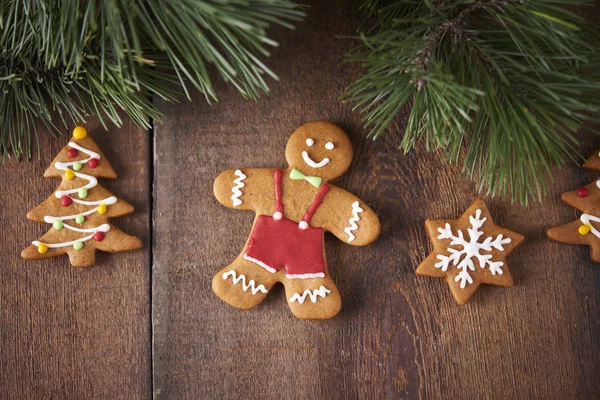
[
  {"x": 69, "y": 174},
  {"x": 79, "y": 132},
  {"x": 584, "y": 229},
  {"x": 101, "y": 208},
  {"x": 42, "y": 248}
]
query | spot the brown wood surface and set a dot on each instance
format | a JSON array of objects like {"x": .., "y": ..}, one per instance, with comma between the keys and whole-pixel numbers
[{"x": 146, "y": 323}]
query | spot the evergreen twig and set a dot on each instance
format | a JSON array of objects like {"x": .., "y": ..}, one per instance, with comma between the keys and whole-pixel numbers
[
  {"x": 500, "y": 86},
  {"x": 64, "y": 60}
]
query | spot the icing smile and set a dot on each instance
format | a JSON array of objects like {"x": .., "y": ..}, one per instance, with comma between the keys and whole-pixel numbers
[{"x": 311, "y": 163}]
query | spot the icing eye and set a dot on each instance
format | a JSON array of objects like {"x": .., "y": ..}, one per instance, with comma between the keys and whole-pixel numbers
[
  {"x": 329, "y": 146},
  {"x": 309, "y": 142}
]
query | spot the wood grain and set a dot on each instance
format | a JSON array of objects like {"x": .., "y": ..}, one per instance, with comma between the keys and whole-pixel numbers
[
  {"x": 75, "y": 332},
  {"x": 121, "y": 330},
  {"x": 398, "y": 335}
]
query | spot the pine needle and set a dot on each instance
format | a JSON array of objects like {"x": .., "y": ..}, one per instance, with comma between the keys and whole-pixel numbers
[
  {"x": 501, "y": 87},
  {"x": 65, "y": 60}
]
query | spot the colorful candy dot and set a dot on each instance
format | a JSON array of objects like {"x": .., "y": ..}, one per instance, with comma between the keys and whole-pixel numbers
[
  {"x": 98, "y": 236},
  {"x": 92, "y": 162},
  {"x": 69, "y": 174},
  {"x": 82, "y": 193},
  {"x": 78, "y": 245},
  {"x": 582, "y": 192},
  {"x": 79, "y": 132},
  {"x": 101, "y": 208},
  {"x": 79, "y": 219},
  {"x": 58, "y": 224},
  {"x": 66, "y": 201},
  {"x": 72, "y": 153},
  {"x": 77, "y": 166},
  {"x": 584, "y": 229},
  {"x": 42, "y": 248}
]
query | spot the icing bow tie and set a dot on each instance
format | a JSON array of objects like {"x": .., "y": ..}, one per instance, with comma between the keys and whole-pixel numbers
[{"x": 313, "y": 180}]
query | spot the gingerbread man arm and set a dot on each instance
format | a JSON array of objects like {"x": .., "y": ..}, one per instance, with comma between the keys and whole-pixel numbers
[
  {"x": 348, "y": 218},
  {"x": 245, "y": 188}
]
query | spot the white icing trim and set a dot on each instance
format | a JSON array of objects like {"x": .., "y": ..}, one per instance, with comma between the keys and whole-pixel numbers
[
  {"x": 310, "y": 142},
  {"x": 314, "y": 294},
  {"x": 258, "y": 262},
  {"x": 277, "y": 216},
  {"x": 50, "y": 219},
  {"x": 311, "y": 163},
  {"x": 353, "y": 220},
  {"x": 329, "y": 146},
  {"x": 102, "y": 228},
  {"x": 245, "y": 286},
  {"x": 586, "y": 218},
  {"x": 235, "y": 197},
  {"x": 63, "y": 166},
  {"x": 303, "y": 225},
  {"x": 108, "y": 201},
  {"x": 305, "y": 276},
  {"x": 91, "y": 153}
]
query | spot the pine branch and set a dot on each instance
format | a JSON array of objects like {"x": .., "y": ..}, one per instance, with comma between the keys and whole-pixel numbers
[
  {"x": 500, "y": 86},
  {"x": 64, "y": 60}
]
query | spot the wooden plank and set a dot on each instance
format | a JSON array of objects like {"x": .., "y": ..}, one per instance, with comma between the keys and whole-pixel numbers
[
  {"x": 398, "y": 335},
  {"x": 74, "y": 332}
]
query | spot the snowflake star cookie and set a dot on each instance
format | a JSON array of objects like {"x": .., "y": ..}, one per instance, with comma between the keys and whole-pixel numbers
[
  {"x": 585, "y": 230},
  {"x": 469, "y": 251},
  {"x": 294, "y": 208},
  {"x": 80, "y": 208}
]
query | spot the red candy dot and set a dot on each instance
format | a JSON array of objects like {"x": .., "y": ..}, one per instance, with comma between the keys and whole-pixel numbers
[
  {"x": 72, "y": 153},
  {"x": 98, "y": 236},
  {"x": 92, "y": 163},
  {"x": 583, "y": 192},
  {"x": 66, "y": 201}
]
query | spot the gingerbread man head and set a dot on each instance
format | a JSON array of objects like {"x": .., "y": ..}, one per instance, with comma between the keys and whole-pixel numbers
[{"x": 320, "y": 149}]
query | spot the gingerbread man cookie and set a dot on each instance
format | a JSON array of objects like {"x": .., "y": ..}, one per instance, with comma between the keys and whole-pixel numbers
[
  {"x": 583, "y": 231},
  {"x": 469, "y": 251},
  {"x": 80, "y": 207},
  {"x": 294, "y": 208}
]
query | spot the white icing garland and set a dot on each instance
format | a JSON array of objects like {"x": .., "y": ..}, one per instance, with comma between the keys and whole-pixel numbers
[
  {"x": 63, "y": 166},
  {"x": 470, "y": 249},
  {"x": 51, "y": 219},
  {"x": 102, "y": 228},
  {"x": 352, "y": 221},
  {"x": 312, "y": 294},
  {"x": 237, "y": 193},
  {"x": 250, "y": 285},
  {"x": 586, "y": 218}
]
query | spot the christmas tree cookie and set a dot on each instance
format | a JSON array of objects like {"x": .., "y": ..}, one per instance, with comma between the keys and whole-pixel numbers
[
  {"x": 583, "y": 231},
  {"x": 80, "y": 208},
  {"x": 294, "y": 208},
  {"x": 469, "y": 251}
]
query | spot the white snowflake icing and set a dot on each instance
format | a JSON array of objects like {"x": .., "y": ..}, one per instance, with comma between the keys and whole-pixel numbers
[{"x": 470, "y": 249}]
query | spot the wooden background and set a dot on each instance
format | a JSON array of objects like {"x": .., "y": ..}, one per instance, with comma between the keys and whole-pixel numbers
[{"x": 146, "y": 324}]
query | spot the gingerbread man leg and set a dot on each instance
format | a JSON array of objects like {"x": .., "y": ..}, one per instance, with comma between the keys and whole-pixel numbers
[
  {"x": 243, "y": 284},
  {"x": 316, "y": 298}
]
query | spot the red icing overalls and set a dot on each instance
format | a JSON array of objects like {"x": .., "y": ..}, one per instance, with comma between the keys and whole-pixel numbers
[{"x": 277, "y": 242}]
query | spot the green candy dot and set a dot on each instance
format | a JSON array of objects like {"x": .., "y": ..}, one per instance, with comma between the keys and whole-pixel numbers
[
  {"x": 78, "y": 245},
  {"x": 82, "y": 193},
  {"x": 77, "y": 166},
  {"x": 58, "y": 225},
  {"x": 79, "y": 219}
]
